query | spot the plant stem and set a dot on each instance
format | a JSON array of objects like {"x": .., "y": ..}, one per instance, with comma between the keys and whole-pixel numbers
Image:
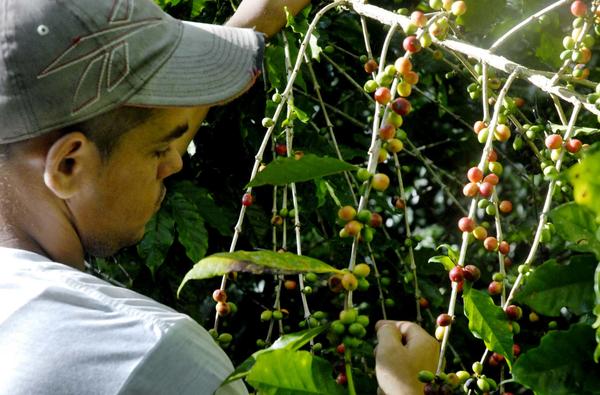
[
  {"x": 465, "y": 237},
  {"x": 348, "y": 365}
]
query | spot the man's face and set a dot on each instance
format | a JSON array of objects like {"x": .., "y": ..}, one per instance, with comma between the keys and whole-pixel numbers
[{"x": 114, "y": 206}]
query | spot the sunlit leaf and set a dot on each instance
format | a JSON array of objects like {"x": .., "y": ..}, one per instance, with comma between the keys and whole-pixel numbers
[
  {"x": 576, "y": 224},
  {"x": 488, "y": 322},
  {"x": 444, "y": 260},
  {"x": 256, "y": 262},
  {"x": 585, "y": 180},
  {"x": 291, "y": 341},
  {"x": 293, "y": 372},
  {"x": 284, "y": 171}
]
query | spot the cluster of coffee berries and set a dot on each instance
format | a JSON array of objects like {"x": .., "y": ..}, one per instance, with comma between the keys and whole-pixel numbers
[
  {"x": 577, "y": 46},
  {"x": 350, "y": 281},
  {"x": 361, "y": 224},
  {"x": 493, "y": 82},
  {"x": 350, "y": 327},
  {"x": 223, "y": 307},
  {"x": 277, "y": 315},
  {"x": 278, "y": 218},
  {"x": 316, "y": 319},
  {"x": 449, "y": 383},
  {"x": 224, "y": 339},
  {"x": 401, "y": 69}
]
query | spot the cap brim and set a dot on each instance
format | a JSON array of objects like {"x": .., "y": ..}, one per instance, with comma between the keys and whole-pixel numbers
[{"x": 211, "y": 65}]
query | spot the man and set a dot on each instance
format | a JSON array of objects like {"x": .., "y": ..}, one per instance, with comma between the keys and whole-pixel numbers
[{"x": 98, "y": 100}]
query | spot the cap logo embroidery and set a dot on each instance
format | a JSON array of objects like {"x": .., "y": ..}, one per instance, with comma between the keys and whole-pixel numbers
[{"x": 111, "y": 59}]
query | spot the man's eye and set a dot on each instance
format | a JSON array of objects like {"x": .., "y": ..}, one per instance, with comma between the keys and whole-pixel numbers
[{"x": 161, "y": 153}]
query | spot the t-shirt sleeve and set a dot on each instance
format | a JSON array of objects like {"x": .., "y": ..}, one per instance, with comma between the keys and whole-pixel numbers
[{"x": 185, "y": 361}]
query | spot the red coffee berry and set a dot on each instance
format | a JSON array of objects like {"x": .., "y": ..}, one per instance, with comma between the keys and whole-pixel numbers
[
  {"x": 347, "y": 213},
  {"x": 411, "y": 44},
  {"x": 376, "y": 220},
  {"x": 290, "y": 285},
  {"x": 387, "y": 131},
  {"x": 247, "y": 199},
  {"x": 399, "y": 203},
  {"x": 498, "y": 357},
  {"x": 495, "y": 288},
  {"x": 475, "y": 174},
  {"x": 341, "y": 349},
  {"x": 456, "y": 274},
  {"x": 403, "y": 65},
  {"x": 341, "y": 379},
  {"x": 423, "y": 302},
  {"x": 471, "y": 273},
  {"x": 554, "y": 141},
  {"x": 411, "y": 77},
  {"x": 513, "y": 312},
  {"x": 490, "y": 243},
  {"x": 219, "y": 295},
  {"x": 471, "y": 189},
  {"x": 444, "y": 319},
  {"x": 223, "y": 309},
  {"x": 486, "y": 188},
  {"x": 418, "y": 18},
  {"x": 492, "y": 179},
  {"x": 281, "y": 149},
  {"x": 371, "y": 66},
  {"x": 507, "y": 261},
  {"x": 479, "y": 125},
  {"x": 383, "y": 95},
  {"x": 492, "y": 156},
  {"x": 504, "y": 247},
  {"x": 573, "y": 145},
  {"x": 466, "y": 224},
  {"x": 505, "y": 206},
  {"x": 516, "y": 350},
  {"x": 401, "y": 106},
  {"x": 579, "y": 8},
  {"x": 353, "y": 228}
]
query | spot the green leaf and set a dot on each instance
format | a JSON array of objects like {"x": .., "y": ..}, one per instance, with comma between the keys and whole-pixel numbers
[
  {"x": 291, "y": 341},
  {"x": 586, "y": 184},
  {"x": 190, "y": 226},
  {"x": 553, "y": 286},
  {"x": 213, "y": 215},
  {"x": 159, "y": 236},
  {"x": 557, "y": 128},
  {"x": 576, "y": 224},
  {"x": 302, "y": 116},
  {"x": 198, "y": 7},
  {"x": 488, "y": 322},
  {"x": 452, "y": 252},
  {"x": 284, "y": 171},
  {"x": 444, "y": 260},
  {"x": 292, "y": 372},
  {"x": 561, "y": 364},
  {"x": 550, "y": 48},
  {"x": 256, "y": 262}
]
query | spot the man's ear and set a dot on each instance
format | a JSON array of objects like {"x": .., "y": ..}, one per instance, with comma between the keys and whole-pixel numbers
[{"x": 68, "y": 160}]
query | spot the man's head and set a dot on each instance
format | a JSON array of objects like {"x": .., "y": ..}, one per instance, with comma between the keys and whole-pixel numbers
[{"x": 98, "y": 100}]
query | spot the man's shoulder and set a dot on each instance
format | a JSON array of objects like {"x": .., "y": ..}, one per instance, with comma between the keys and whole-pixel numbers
[{"x": 28, "y": 278}]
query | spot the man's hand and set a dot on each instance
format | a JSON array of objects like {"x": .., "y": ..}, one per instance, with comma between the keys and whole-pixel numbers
[
  {"x": 266, "y": 16},
  {"x": 404, "y": 349}
]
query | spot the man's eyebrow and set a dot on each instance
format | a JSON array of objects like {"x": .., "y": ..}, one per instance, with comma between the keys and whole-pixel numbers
[{"x": 175, "y": 133}]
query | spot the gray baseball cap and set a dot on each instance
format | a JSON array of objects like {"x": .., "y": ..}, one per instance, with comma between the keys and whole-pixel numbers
[{"x": 65, "y": 61}]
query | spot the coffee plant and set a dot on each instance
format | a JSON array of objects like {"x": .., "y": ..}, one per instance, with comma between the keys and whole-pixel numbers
[{"x": 435, "y": 161}]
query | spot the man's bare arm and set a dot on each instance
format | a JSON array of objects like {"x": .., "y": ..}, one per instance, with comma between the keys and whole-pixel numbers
[{"x": 266, "y": 16}]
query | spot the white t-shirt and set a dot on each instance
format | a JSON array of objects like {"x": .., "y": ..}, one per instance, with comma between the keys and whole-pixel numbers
[{"x": 64, "y": 332}]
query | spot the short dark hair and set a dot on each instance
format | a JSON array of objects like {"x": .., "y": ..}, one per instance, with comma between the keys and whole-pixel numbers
[{"x": 104, "y": 130}]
